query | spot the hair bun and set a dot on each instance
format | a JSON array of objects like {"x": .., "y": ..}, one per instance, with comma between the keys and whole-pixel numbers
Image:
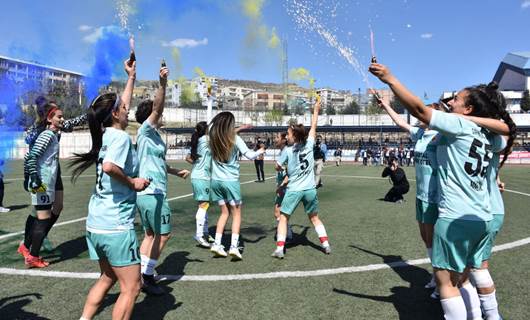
[{"x": 493, "y": 86}]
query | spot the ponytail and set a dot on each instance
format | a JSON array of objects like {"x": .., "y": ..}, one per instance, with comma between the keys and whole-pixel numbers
[
  {"x": 200, "y": 130},
  {"x": 99, "y": 116}
]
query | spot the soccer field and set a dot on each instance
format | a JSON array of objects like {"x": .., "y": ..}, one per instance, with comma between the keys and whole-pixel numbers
[{"x": 365, "y": 277}]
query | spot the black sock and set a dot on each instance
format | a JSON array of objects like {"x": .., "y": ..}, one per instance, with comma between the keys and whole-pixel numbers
[
  {"x": 38, "y": 234},
  {"x": 27, "y": 232},
  {"x": 53, "y": 220}
]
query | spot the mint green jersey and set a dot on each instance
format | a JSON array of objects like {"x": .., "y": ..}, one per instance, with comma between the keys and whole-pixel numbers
[
  {"x": 152, "y": 156},
  {"x": 112, "y": 205},
  {"x": 300, "y": 165},
  {"x": 497, "y": 204},
  {"x": 463, "y": 155},
  {"x": 229, "y": 171},
  {"x": 425, "y": 164},
  {"x": 280, "y": 175},
  {"x": 201, "y": 166}
]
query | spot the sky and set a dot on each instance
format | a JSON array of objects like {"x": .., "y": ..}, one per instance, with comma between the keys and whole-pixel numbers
[{"x": 431, "y": 46}]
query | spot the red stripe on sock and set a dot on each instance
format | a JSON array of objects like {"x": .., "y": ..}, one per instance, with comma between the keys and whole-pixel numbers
[
  {"x": 323, "y": 239},
  {"x": 280, "y": 243}
]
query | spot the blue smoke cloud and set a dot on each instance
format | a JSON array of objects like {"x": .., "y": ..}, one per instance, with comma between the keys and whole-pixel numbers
[
  {"x": 110, "y": 50},
  {"x": 13, "y": 94}
]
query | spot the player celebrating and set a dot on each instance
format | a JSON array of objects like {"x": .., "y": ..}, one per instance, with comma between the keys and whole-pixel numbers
[
  {"x": 281, "y": 181},
  {"x": 41, "y": 165},
  {"x": 460, "y": 233},
  {"x": 152, "y": 202},
  {"x": 201, "y": 159},
  {"x": 225, "y": 146},
  {"x": 301, "y": 187},
  {"x": 110, "y": 223}
]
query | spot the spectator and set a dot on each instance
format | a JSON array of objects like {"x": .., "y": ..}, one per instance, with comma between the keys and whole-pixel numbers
[
  {"x": 2, "y": 208},
  {"x": 338, "y": 156},
  {"x": 258, "y": 162},
  {"x": 319, "y": 161}
]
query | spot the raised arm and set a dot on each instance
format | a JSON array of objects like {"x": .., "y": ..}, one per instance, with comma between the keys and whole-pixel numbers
[
  {"x": 413, "y": 104},
  {"x": 158, "y": 104},
  {"x": 314, "y": 119},
  {"x": 394, "y": 115},
  {"x": 126, "y": 96},
  {"x": 494, "y": 125},
  {"x": 70, "y": 124}
]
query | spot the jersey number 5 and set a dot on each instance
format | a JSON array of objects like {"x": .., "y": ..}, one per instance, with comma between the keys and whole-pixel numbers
[
  {"x": 482, "y": 163},
  {"x": 303, "y": 161}
]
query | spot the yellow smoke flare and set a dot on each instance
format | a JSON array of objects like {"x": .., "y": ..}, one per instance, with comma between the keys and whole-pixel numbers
[
  {"x": 175, "y": 53},
  {"x": 274, "y": 40},
  {"x": 298, "y": 74},
  {"x": 201, "y": 74},
  {"x": 252, "y": 8}
]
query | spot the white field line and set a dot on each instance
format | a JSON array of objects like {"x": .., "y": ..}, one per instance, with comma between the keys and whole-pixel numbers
[
  {"x": 9, "y": 235},
  {"x": 253, "y": 276}
]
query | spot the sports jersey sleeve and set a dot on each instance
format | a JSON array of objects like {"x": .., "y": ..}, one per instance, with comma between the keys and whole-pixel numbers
[
  {"x": 118, "y": 150},
  {"x": 241, "y": 145},
  {"x": 310, "y": 143},
  {"x": 415, "y": 133},
  {"x": 70, "y": 124},
  {"x": 498, "y": 143},
  {"x": 146, "y": 128},
  {"x": 283, "y": 158},
  {"x": 447, "y": 124},
  {"x": 38, "y": 150}
]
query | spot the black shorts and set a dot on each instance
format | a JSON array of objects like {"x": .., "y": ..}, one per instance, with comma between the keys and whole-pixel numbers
[{"x": 59, "y": 180}]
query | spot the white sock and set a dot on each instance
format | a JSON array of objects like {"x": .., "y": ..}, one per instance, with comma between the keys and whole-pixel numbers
[
  {"x": 205, "y": 229},
  {"x": 490, "y": 306},
  {"x": 429, "y": 253},
  {"x": 218, "y": 238},
  {"x": 280, "y": 241},
  {"x": 471, "y": 300},
  {"x": 235, "y": 240},
  {"x": 322, "y": 235},
  {"x": 200, "y": 217},
  {"x": 150, "y": 268},
  {"x": 144, "y": 260},
  {"x": 454, "y": 308}
]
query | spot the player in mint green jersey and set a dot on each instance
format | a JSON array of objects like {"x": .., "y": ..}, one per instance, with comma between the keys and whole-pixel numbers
[
  {"x": 41, "y": 165},
  {"x": 426, "y": 166},
  {"x": 225, "y": 146},
  {"x": 201, "y": 160},
  {"x": 152, "y": 202},
  {"x": 110, "y": 223},
  {"x": 463, "y": 154},
  {"x": 301, "y": 187},
  {"x": 282, "y": 180}
]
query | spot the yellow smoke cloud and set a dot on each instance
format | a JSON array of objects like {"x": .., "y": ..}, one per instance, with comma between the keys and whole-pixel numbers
[
  {"x": 259, "y": 35},
  {"x": 274, "y": 41},
  {"x": 175, "y": 54},
  {"x": 201, "y": 74},
  {"x": 298, "y": 74},
  {"x": 252, "y": 8}
]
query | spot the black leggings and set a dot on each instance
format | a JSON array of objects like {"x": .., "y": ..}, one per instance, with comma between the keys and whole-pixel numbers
[
  {"x": 396, "y": 193},
  {"x": 259, "y": 169}
]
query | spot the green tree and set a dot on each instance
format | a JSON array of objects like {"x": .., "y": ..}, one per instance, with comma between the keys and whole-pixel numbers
[
  {"x": 352, "y": 108},
  {"x": 273, "y": 117},
  {"x": 525, "y": 101},
  {"x": 373, "y": 108},
  {"x": 330, "y": 110}
]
